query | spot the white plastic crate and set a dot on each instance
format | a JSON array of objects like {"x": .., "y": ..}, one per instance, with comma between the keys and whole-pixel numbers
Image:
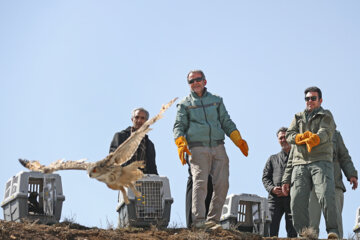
[
  {"x": 152, "y": 208},
  {"x": 357, "y": 224},
  {"x": 247, "y": 213},
  {"x": 34, "y": 196}
]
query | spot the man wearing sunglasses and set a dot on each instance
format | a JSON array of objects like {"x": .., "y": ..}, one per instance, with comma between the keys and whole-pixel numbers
[
  {"x": 146, "y": 149},
  {"x": 199, "y": 130},
  {"x": 310, "y": 134}
]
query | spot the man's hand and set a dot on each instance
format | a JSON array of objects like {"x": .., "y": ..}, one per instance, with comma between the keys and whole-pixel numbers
[
  {"x": 277, "y": 191},
  {"x": 285, "y": 189},
  {"x": 301, "y": 138},
  {"x": 239, "y": 142},
  {"x": 312, "y": 141},
  {"x": 354, "y": 182},
  {"x": 182, "y": 145}
]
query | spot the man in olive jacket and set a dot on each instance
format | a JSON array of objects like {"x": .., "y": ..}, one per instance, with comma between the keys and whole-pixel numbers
[
  {"x": 311, "y": 133},
  {"x": 278, "y": 202},
  {"x": 201, "y": 124},
  {"x": 342, "y": 161},
  {"x": 146, "y": 149}
]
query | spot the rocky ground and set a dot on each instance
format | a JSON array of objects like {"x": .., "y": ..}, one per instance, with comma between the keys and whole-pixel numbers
[{"x": 73, "y": 231}]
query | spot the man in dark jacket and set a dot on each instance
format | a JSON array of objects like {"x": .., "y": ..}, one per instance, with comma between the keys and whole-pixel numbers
[
  {"x": 272, "y": 175},
  {"x": 146, "y": 149}
]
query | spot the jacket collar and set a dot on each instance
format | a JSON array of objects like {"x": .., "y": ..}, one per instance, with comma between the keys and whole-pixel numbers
[
  {"x": 312, "y": 114},
  {"x": 130, "y": 129},
  {"x": 194, "y": 95},
  {"x": 282, "y": 152}
]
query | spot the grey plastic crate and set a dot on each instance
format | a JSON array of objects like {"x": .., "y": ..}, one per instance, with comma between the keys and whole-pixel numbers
[
  {"x": 152, "y": 208},
  {"x": 33, "y": 196},
  {"x": 357, "y": 224},
  {"x": 247, "y": 213}
]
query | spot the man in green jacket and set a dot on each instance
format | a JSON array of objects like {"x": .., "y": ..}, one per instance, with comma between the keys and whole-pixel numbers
[
  {"x": 342, "y": 161},
  {"x": 311, "y": 133},
  {"x": 201, "y": 124}
]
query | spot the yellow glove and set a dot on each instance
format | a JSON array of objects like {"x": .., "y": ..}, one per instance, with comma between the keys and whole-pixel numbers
[
  {"x": 301, "y": 138},
  {"x": 239, "y": 142},
  {"x": 313, "y": 141},
  {"x": 182, "y": 145}
]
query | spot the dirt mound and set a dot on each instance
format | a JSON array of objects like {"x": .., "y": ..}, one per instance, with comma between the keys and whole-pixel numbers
[{"x": 73, "y": 231}]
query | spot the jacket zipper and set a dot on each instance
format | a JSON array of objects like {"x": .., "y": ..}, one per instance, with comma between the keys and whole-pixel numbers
[
  {"x": 308, "y": 128},
  {"x": 206, "y": 122}
]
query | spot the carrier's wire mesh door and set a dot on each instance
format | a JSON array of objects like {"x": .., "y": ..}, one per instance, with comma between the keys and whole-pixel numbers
[
  {"x": 35, "y": 189},
  {"x": 245, "y": 213},
  {"x": 150, "y": 204}
]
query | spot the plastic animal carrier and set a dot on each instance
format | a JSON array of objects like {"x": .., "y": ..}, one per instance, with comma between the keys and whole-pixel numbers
[
  {"x": 33, "y": 196},
  {"x": 246, "y": 213},
  {"x": 152, "y": 208},
  {"x": 357, "y": 224}
]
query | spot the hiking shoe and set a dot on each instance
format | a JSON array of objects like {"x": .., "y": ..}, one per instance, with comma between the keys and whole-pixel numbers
[
  {"x": 199, "y": 225},
  {"x": 216, "y": 226},
  {"x": 333, "y": 235},
  {"x": 210, "y": 224}
]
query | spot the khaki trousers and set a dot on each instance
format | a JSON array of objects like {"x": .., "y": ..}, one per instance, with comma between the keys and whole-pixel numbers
[
  {"x": 320, "y": 176},
  {"x": 206, "y": 161},
  {"x": 315, "y": 210}
]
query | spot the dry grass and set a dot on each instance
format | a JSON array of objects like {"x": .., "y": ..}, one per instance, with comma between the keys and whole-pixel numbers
[{"x": 309, "y": 233}]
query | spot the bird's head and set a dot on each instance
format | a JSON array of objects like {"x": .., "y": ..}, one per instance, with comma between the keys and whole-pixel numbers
[
  {"x": 94, "y": 171},
  {"x": 99, "y": 172}
]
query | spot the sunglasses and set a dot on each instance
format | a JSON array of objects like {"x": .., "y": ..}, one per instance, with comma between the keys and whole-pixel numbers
[
  {"x": 196, "y": 80},
  {"x": 313, "y": 98}
]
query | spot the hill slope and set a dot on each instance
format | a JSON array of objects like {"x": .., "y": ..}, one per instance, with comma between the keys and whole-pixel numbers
[{"x": 72, "y": 231}]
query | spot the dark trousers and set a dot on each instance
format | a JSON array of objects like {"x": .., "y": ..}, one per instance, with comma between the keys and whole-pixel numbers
[
  {"x": 278, "y": 206},
  {"x": 188, "y": 203}
]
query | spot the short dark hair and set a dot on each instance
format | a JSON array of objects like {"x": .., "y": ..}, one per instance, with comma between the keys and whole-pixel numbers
[
  {"x": 196, "y": 71},
  {"x": 313, "y": 89},
  {"x": 282, "y": 129}
]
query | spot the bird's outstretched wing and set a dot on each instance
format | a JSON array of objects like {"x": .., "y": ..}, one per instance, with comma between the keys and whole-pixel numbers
[
  {"x": 127, "y": 149},
  {"x": 55, "y": 166},
  {"x": 122, "y": 154}
]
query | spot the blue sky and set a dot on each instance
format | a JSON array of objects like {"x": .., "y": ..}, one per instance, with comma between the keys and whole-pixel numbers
[{"x": 72, "y": 71}]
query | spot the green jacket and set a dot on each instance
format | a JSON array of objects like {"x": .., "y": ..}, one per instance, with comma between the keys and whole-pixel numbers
[
  {"x": 322, "y": 124},
  {"x": 341, "y": 158},
  {"x": 342, "y": 161},
  {"x": 203, "y": 121},
  {"x": 289, "y": 167}
]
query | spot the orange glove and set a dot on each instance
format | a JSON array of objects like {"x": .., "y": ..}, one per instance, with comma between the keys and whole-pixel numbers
[
  {"x": 182, "y": 145},
  {"x": 239, "y": 142},
  {"x": 312, "y": 141},
  {"x": 301, "y": 138}
]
